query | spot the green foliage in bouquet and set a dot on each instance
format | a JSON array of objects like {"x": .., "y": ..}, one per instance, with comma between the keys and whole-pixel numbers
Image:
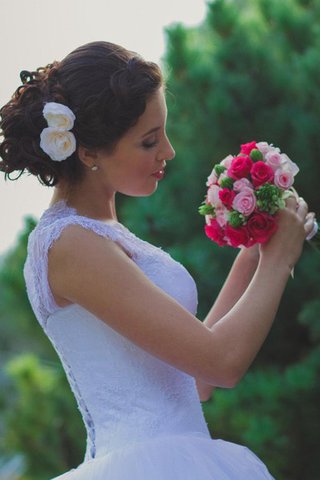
[
  {"x": 219, "y": 169},
  {"x": 236, "y": 219},
  {"x": 269, "y": 198},
  {"x": 227, "y": 182},
  {"x": 206, "y": 209},
  {"x": 256, "y": 155}
]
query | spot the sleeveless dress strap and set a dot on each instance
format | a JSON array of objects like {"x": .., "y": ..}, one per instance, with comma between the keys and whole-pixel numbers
[{"x": 40, "y": 241}]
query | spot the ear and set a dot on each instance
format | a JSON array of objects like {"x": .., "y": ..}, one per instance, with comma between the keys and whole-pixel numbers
[{"x": 87, "y": 156}]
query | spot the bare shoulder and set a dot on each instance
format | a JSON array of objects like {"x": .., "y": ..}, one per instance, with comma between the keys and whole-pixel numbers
[{"x": 94, "y": 272}]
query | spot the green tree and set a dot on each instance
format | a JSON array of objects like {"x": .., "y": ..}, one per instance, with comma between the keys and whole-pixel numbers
[
  {"x": 40, "y": 418},
  {"x": 18, "y": 329},
  {"x": 38, "y": 412},
  {"x": 250, "y": 72}
]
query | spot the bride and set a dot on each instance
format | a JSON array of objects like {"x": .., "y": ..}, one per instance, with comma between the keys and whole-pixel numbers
[{"x": 119, "y": 311}]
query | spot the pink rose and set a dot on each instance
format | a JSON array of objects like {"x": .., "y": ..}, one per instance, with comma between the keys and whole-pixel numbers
[
  {"x": 215, "y": 232},
  {"x": 237, "y": 236},
  {"x": 240, "y": 167},
  {"x": 241, "y": 184},
  {"x": 261, "y": 173},
  {"x": 261, "y": 226},
  {"x": 247, "y": 147},
  {"x": 221, "y": 215},
  {"x": 283, "y": 179},
  {"x": 245, "y": 201},
  {"x": 226, "y": 196},
  {"x": 273, "y": 159}
]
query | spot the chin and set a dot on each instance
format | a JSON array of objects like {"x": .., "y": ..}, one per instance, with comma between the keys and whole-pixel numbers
[{"x": 142, "y": 192}]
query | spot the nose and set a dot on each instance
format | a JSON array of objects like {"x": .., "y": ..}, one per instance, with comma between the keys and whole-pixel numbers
[
  {"x": 172, "y": 153},
  {"x": 169, "y": 151}
]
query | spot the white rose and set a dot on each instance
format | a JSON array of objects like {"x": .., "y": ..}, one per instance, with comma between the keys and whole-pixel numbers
[
  {"x": 264, "y": 148},
  {"x": 213, "y": 195},
  {"x": 58, "y": 144},
  {"x": 212, "y": 178},
  {"x": 226, "y": 162},
  {"x": 58, "y": 115},
  {"x": 208, "y": 219},
  {"x": 289, "y": 165}
]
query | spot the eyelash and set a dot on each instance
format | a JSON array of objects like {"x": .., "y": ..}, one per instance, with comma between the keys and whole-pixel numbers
[{"x": 150, "y": 145}]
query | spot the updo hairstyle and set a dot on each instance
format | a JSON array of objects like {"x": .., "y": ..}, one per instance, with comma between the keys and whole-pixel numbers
[{"x": 107, "y": 88}]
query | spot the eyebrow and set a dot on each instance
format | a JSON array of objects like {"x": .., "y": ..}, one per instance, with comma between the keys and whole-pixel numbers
[{"x": 150, "y": 131}]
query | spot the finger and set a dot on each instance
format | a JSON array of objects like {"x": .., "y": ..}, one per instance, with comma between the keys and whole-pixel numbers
[
  {"x": 301, "y": 199},
  {"x": 311, "y": 228},
  {"x": 291, "y": 203},
  {"x": 308, "y": 226},
  {"x": 302, "y": 209},
  {"x": 311, "y": 215}
]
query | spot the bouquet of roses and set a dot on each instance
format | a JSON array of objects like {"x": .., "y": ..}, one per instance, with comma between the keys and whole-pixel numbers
[{"x": 244, "y": 194}]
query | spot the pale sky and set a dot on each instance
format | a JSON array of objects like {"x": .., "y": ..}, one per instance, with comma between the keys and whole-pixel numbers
[{"x": 36, "y": 32}]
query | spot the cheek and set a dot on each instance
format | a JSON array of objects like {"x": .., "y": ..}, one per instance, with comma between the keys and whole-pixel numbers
[
  {"x": 144, "y": 163},
  {"x": 138, "y": 166}
]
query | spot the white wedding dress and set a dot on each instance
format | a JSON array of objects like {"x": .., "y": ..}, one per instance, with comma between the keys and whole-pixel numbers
[{"x": 143, "y": 417}]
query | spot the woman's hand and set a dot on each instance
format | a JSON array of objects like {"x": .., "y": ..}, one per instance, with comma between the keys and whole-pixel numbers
[
  {"x": 251, "y": 253},
  {"x": 294, "y": 224}
]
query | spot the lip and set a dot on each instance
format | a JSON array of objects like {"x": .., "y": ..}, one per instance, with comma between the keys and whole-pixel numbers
[
  {"x": 159, "y": 174},
  {"x": 161, "y": 169}
]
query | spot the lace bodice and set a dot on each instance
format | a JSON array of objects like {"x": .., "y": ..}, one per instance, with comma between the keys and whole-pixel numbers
[{"x": 123, "y": 393}]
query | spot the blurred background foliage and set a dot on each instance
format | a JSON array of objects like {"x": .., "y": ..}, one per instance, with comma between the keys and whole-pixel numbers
[{"x": 251, "y": 71}]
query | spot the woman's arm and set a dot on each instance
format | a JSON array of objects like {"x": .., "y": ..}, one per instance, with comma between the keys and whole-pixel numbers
[
  {"x": 101, "y": 278},
  {"x": 240, "y": 275},
  {"x": 254, "y": 290}
]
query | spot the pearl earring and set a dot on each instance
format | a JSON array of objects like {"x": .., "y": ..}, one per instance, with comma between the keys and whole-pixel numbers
[{"x": 94, "y": 167}]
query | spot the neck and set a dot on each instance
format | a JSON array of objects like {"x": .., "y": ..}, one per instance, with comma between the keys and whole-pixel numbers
[{"x": 92, "y": 202}]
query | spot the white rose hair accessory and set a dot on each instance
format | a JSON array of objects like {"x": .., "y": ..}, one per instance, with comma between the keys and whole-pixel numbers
[{"x": 56, "y": 140}]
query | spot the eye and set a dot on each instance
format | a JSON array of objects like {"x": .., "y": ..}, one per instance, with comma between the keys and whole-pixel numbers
[{"x": 150, "y": 144}]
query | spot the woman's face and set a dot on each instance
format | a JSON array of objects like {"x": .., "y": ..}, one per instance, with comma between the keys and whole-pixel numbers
[{"x": 141, "y": 152}]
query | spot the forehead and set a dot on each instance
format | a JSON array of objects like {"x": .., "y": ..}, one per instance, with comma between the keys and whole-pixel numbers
[{"x": 154, "y": 115}]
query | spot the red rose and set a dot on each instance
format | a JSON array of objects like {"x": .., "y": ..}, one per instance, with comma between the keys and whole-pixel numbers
[
  {"x": 247, "y": 147},
  {"x": 215, "y": 232},
  {"x": 261, "y": 226},
  {"x": 261, "y": 173},
  {"x": 226, "y": 196},
  {"x": 238, "y": 236},
  {"x": 240, "y": 167}
]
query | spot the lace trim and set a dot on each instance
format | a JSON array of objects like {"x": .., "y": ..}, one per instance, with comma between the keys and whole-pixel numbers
[
  {"x": 85, "y": 413},
  {"x": 61, "y": 208},
  {"x": 49, "y": 228}
]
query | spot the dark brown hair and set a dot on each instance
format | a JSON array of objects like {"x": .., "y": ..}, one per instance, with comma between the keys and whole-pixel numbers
[{"x": 107, "y": 88}]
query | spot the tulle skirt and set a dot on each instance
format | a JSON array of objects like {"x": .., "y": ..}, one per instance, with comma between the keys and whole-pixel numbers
[{"x": 174, "y": 457}]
